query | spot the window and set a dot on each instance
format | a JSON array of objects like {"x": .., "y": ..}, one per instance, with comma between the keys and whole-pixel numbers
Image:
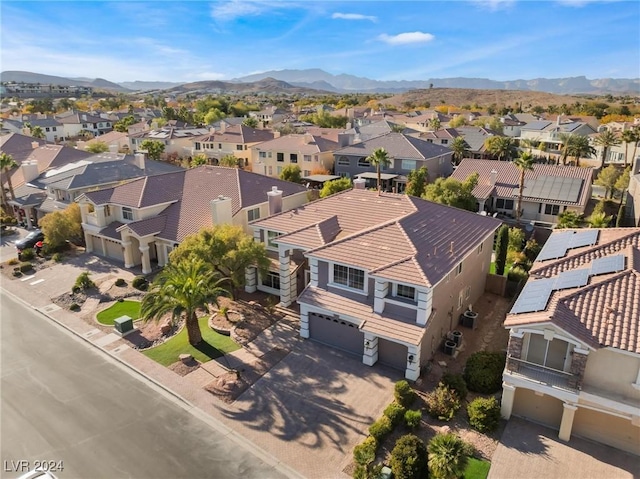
[
  {"x": 271, "y": 280},
  {"x": 306, "y": 172},
  {"x": 316, "y": 158},
  {"x": 406, "y": 292},
  {"x": 467, "y": 292},
  {"x": 306, "y": 158},
  {"x": 459, "y": 269},
  {"x": 279, "y": 170},
  {"x": 239, "y": 147},
  {"x": 198, "y": 147},
  {"x": 293, "y": 157},
  {"x": 460, "y": 299},
  {"x": 253, "y": 214},
  {"x": 270, "y": 170},
  {"x": 345, "y": 174},
  {"x": 444, "y": 142},
  {"x": 219, "y": 146},
  {"x": 271, "y": 236},
  {"x": 363, "y": 163},
  {"x": 349, "y": 277},
  {"x": 343, "y": 161},
  {"x": 262, "y": 154},
  {"x": 280, "y": 157},
  {"x": 408, "y": 164},
  {"x": 107, "y": 211},
  {"x": 503, "y": 204},
  {"x": 127, "y": 213},
  {"x": 46, "y": 128},
  {"x": 552, "y": 210}
]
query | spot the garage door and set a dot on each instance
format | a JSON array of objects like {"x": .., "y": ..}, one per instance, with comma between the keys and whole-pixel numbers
[
  {"x": 114, "y": 250},
  {"x": 545, "y": 409},
  {"x": 392, "y": 354},
  {"x": 607, "y": 429},
  {"x": 337, "y": 333},
  {"x": 96, "y": 244}
]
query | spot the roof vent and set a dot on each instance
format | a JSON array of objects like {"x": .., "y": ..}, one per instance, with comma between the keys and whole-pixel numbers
[{"x": 451, "y": 248}]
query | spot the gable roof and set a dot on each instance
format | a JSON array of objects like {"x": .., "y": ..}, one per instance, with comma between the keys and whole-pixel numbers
[
  {"x": 605, "y": 311},
  {"x": 239, "y": 134},
  {"x": 19, "y": 146},
  {"x": 306, "y": 144},
  {"x": 398, "y": 145}
]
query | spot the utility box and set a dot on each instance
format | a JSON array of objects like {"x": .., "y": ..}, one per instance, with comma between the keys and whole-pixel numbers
[{"x": 123, "y": 324}]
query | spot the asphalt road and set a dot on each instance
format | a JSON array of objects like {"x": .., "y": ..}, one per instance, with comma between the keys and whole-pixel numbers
[{"x": 62, "y": 401}]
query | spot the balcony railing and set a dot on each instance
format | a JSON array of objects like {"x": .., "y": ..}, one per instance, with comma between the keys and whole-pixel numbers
[
  {"x": 92, "y": 220},
  {"x": 542, "y": 374}
]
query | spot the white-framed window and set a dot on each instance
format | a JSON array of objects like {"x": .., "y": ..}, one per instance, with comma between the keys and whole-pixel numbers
[
  {"x": 271, "y": 236},
  {"x": 459, "y": 268},
  {"x": 316, "y": 158},
  {"x": 306, "y": 158},
  {"x": 552, "y": 210},
  {"x": 271, "y": 280},
  {"x": 262, "y": 154},
  {"x": 444, "y": 141},
  {"x": 409, "y": 165},
  {"x": 127, "y": 213},
  {"x": 503, "y": 204},
  {"x": 343, "y": 161},
  {"x": 363, "y": 163},
  {"x": 404, "y": 291},
  {"x": 280, "y": 157},
  {"x": 306, "y": 172},
  {"x": 270, "y": 170},
  {"x": 253, "y": 214},
  {"x": 293, "y": 157},
  {"x": 279, "y": 170},
  {"x": 350, "y": 277},
  {"x": 467, "y": 292},
  {"x": 239, "y": 147}
]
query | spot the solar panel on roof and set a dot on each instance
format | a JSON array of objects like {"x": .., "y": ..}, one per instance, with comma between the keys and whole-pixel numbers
[
  {"x": 534, "y": 296},
  {"x": 572, "y": 279},
  {"x": 584, "y": 238},
  {"x": 556, "y": 246},
  {"x": 608, "y": 264}
]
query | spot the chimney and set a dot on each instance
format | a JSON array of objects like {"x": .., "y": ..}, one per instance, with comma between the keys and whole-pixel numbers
[
  {"x": 223, "y": 126},
  {"x": 35, "y": 144},
  {"x": 451, "y": 248},
  {"x": 140, "y": 159},
  {"x": 29, "y": 170},
  {"x": 84, "y": 117},
  {"x": 358, "y": 183},
  {"x": 558, "y": 120},
  {"x": 275, "y": 200},
  {"x": 345, "y": 139},
  {"x": 351, "y": 113},
  {"x": 113, "y": 148},
  {"x": 493, "y": 176},
  {"x": 221, "y": 210},
  {"x": 276, "y": 134}
]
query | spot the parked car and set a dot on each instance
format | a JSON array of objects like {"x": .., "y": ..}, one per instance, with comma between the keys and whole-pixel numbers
[{"x": 29, "y": 241}]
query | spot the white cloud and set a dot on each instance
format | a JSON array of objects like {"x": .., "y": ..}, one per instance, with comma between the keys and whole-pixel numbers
[
  {"x": 406, "y": 38},
  {"x": 354, "y": 16},
  {"x": 494, "y": 5}
]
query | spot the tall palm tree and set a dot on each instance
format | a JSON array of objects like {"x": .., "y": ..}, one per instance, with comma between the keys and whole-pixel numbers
[
  {"x": 460, "y": 148},
  {"x": 7, "y": 163},
  {"x": 183, "y": 288},
  {"x": 524, "y": 163},
  {"x": 606, "y": 139},
  {"x": 581, "y": 148},
  {"x": 502, "y": 147},
  {"x": 630, "y": 136},
  {"x": 379, "y": 158},
  {"x": 566, "y": 146}
]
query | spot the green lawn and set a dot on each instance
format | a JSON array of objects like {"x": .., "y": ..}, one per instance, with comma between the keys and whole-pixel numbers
[
  {"x": 213, "y": 346},
  {"x": 492, "y": 268},
  {"x": 120, "y": 308},
  {"x": 476, "y": 469}
]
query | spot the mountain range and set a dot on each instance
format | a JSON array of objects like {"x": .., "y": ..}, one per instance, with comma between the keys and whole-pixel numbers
[{"x": 319, "y": 80}]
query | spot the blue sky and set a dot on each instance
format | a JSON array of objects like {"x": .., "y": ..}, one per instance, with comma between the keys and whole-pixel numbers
[{"x": 383, "y": 40}]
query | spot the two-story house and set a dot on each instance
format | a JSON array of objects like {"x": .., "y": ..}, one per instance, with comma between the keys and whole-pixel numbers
[
  {"x": 75, "y": 122},
  {"x": 308, "y": 151},
  {"x": 141, "y": 221},
  {"x": 51, "y": 128},
  {"x": 176, "y": 140},
  {"x": 406, "y": 153},
  {"x": 548, "y": 189},
  {"x": 382, "y": 276},
  {"x": 443, "y": 136},
  {"x": 574, "y": 338},
  {"x": 548, "y": 133}
]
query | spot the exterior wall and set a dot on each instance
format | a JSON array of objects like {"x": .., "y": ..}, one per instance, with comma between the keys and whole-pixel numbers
[
  {"x": 598, "y": 375},
  {"x": 608, "y": 429},
  {"x": 438, "y": 167},
  {"x": 270, "y": 166},
  {"x": 633, "y": 201},
  {"x": 288, "y": 202},
  {"x": 542, "y": 409}
]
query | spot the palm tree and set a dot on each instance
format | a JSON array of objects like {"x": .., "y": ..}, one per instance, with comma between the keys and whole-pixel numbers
[
  {"x": 581, "y": 148},
  {"x": 460, "y": 148},
  {"x": 7, "y": 163},
  {"x": 530, "y": 143},
  {"x": 502, "y": 147},
  {"x": 599, "y": 220},
  {"x": 448, "y": 456},
  {"x": 379, "y": 158},
  {"x": 182, "y": 289},
  {"x": 36, "y": 132},
  {"x": 524, "y": 163},
  {"x": 606, "y": 139},
  {"x": 566, "y": 146},
  {"x": 630, "y": 136}
]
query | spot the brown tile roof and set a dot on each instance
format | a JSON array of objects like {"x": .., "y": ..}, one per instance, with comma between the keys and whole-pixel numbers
[
  {"x": 146, "y": 227},
  {"x": 387, "y": 234},
  {"x": 606, "y": 311},
  {"x": 508, "y": 178},
  {"x": 19, "y": 146},
  {"x": 305, "y": 144},
  {"x": 238, "y": 134}
]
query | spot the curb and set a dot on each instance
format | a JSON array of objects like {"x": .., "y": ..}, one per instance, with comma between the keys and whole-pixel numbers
[{"x": 226, "y": 431}]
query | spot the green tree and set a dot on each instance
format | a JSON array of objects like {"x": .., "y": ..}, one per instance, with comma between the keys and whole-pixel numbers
[
  {"x": 97, "y": 147},
  {"x": 434, "y": 124},
  {"x": 631, "y": 136},
  {"x": 567, "y": 141},
  {"x": 524, "y": 163},
  {"x": 448, "y": 456},
  {"x": 449, "y": 191},
  {"x": 229, "y": 251},
  {"x": 37, "y": 132},
  {"x": 124, "y": 124},
  {"x": 607, "y": 178},
  {"x": 501, "y": 147},
  {"x": 230, "y": 161},
  {"x": 417, "y": 181},
  {"x": 251, "y": 122},
  {"x": 154, "y": 148},
  {"x": 7, "y": 163},
  {"x": 581, "y": 148},
  {"x": 291, "y": 173},
  {"x": 409, "y": 458},
  {"x": 335, "y": 186},
  {"x": 460, "y": 148},
  {"x": 569, "y": 219},
  {"x": 199, "y": 160},
  {"x": 458, "y": 121},
  {"x": 599, "y": 220},
  {"x": 516, "y": 239},
  {"x": 606, "y": 139},
  {"x": 502, "y": 247},
  {"x": 622, "y": 183},
  {"x": 182, "y": 288},
  {"x": 62, "y": 226},
  {"x": 213, "y": 115},
  {"x": 378, "y": 159}
]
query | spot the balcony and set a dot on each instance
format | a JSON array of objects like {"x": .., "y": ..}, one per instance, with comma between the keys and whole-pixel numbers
[
  {"x": 553, "y": 378},
  {"x": 92, "y": 220}
]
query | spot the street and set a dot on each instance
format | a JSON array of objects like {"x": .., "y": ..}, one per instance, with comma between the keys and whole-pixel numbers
[{"x": 70, "y": 405}]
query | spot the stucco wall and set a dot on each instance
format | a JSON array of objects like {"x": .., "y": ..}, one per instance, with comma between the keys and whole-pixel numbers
[{"x": 598, "y": 373}]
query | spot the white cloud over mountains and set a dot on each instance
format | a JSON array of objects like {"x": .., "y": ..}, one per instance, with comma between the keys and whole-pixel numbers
[{"x": 406, "y": 38}]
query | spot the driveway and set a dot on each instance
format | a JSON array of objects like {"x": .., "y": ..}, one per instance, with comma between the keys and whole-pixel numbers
[{"x": 528, "y": 450}]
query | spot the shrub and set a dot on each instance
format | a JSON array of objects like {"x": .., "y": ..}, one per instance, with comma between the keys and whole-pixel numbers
[
  {"x": 140, "y": 282},
  {"x": 502, "y": 244},
  {"x": 74, "y": 307},
  {"x": 17, "y": 273},
  {"x": 517, "y": 274},
  {"x": 120, "y": 282},
  {"x": 395, "y": 412},
  {"x": 13, "y": 261},
  {"x": 27, "y": 254},
  {"x": 483, "y": 371},
  {"x": 409, "y": 458},
  {"x": 456, "y": 383},
  {"x": 75, "y": 289},
  {"x": 484, "y": 414},
  {"x": 412, "y": 418},
  {"x": 381, "y": 428},
  {"x": 57, "y": 257},
  {"x": 448, "y": 456},
  {"x": 24, "y": 267},
  {"x": 403, "y": 393},
  {"x": 365, "y": 452},
  {"x": 443, "y": 403},
  {"x": 84, "y": 282}
]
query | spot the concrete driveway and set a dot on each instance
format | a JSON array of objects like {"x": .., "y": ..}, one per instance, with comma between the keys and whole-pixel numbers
[
  {"x": 313, "y": 407},
  {"x": 528, "y": 450}
]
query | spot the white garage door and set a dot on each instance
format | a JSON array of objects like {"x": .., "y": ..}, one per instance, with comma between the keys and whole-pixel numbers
[
  {"x": 336, "y": 332},
  {"x": 607, "y": 429},
  {"x": 545, "y": 409},
  {"x": 114, "y": 250}
]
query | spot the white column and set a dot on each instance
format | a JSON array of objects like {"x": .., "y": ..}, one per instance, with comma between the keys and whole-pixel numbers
[
  {"x": 161, "y": 248},
  {"x": 412, "y": 372},
  {"x": 128, "y": 254},
  {"x": 27, "y": 215},
  {"x": 146, "y": 261},
  {"x": 304, "y": 321},
  {"x": 293, "y": 284},
  {"x": 285, "y": 278},
  {"x": 103, "y": 244},
  {"x": 508, "y": 395},
  {"x": 251, "y": 280},
  {"x": 88, "y": 241},
  {"x": 313, "y": 274},
  {"x": 101, "y": 219},
  {"x": 370, "y": 356},
  {"x": 481, "y": 205},
  {"x": 568, "y": 412},
  {"x": 381, "y": 292},
  {"x": 425, "y": 305}
]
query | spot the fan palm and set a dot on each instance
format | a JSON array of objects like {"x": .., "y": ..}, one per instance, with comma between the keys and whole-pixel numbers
[
  {"x": 630, "y": 136},
  {"x": 182, "y": 289},
  {"x": 379, "y": 158},
  {"x": 581, "y": 148},
  {"x": 448, "y": 456},
  {"x": 502, "y": 147},
  {"x": 460, "y": 148},
  {"x": 606, "y": 139},
  {"x": 6, "y": 164},
  {"x": 566, "y": 146},
  {"x": 524, "y": 163},
  {"x": 36, "y": 132}
]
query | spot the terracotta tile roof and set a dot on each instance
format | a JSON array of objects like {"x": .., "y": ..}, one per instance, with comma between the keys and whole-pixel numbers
[
  {"x": 305, "y": 144},
  {"x": 606, "y": 311},
  {"x": 398, "y": 145},
  {"x": 19, "y": 146},
  {"x": 238, "y": 134},
  {"x": 370, "y": 322},
  {"x": 146, "y": 227},
  {"x": 315, "y": 235},
  {"x": 508, "y": 178}
]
